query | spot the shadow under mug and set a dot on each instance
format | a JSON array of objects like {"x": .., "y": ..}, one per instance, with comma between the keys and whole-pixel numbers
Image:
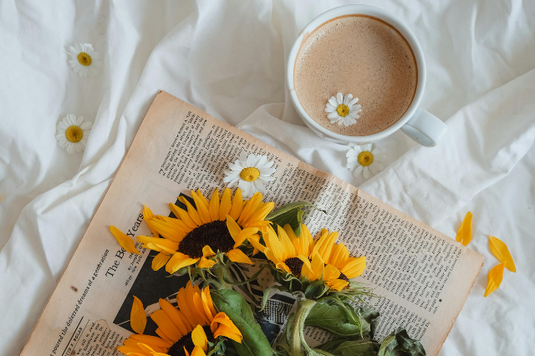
[{"x": 418, "y": 124}]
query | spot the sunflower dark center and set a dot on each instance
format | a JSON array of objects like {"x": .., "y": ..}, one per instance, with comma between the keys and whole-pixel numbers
[
  {"x": 178, "y": 347},
  {"x": 343, "y": 277},
  {"x": 214, "y": 234},
  {"x": 295, "y": 265}
]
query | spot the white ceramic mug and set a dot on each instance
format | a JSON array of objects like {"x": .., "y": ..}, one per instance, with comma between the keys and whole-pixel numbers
[{"x": 417, "y": 123}]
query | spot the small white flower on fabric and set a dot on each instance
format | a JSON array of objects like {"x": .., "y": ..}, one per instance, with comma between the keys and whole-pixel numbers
[
  {"x": 72, "y": 133},
  {"x": 251, "y": 174},
  {"x": 84, "y": 60},
  {"x": 343, "y": 110},
  {"x": 365, "y": 160}
]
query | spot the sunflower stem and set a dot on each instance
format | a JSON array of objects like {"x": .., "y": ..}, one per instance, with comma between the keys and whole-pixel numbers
[
  {"x": 222, "y": 275},
  {"x": 297, "y": 338}
]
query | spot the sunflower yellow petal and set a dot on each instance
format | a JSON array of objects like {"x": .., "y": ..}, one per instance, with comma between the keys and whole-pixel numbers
[
  {"x": 214, "y": 206},
  {"x": 226, "y": 204},
  {"x": 225, "y": 328},
  {"x": 339, "y": 256},
  {"x": 255, "y": 241},
  {"x": 315, "y": 271},
  {"x": 233, "y": 228},
  {"x": 192, "y": 212},
  {"x": 161, "y": 334},
  {"x": 168, "y": 244},
  {"x": 354, "y": 267},
  {"x": 237, "y": 255},
  {"x": 172, "y": 230},
  {"x": 166, "y": 325},
  {"x": 464, "y": 234},
  {"x": 152, "y": 341},
  {"x": 261, "y": 213},
  {"x": 206, "y": 263},
  {"x": 148, "y": 216},
  {"x": 183, "y": 216},
  {"x": 202, "y": 208},
  {"x": 325, "y": 244},
  {"x": 207, "y": 300},
  {"x": 178, "y": 261},
  {"x": 185, "y": 305},
  {"x": 126, "y": 242},
  {"x": 237, "y": 205},
  {"x": 250, "y": 209},
  {"x": 338, "y": 284},
  {"x": 245, "y": 234},
  {"x": 197, "y": 351},
  {"x": 159, "y": 261},
  {"x": 287, "y": 246},
  {"x": 176, "y": 317},
  {"x": 138, "y": 318},
  {"x": 274, "y": 244},
  {"x": 198, "y": 336},
  {"x": 494, "y": 278},
  {"x": 330, "y": 272},
  {"x": 194, "y": 295},
  {"x": 501, "y": 252}
]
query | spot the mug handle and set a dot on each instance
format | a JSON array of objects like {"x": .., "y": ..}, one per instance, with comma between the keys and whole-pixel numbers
[{"x": 424, "y": 128}]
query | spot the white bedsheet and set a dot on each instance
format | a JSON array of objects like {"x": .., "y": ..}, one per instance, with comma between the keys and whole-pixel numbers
[{"x": 228, "y": 58}]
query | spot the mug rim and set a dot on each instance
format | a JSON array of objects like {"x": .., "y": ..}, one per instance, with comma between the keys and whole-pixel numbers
[{"x": 355, "y": 9}]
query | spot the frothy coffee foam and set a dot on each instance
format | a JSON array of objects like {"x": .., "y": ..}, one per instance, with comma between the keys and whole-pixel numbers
[{"x": 363, "y": 56}]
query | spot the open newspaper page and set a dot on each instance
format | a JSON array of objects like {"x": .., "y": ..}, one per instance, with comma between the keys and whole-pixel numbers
[{"x": 422, "y": 276}]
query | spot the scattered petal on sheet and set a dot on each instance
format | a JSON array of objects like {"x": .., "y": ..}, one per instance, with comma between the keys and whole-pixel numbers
[
  {"x": 138, "y": 318},
  {"x": 494, "y": 278},
  {"x": 500, "y": 250},
  {"x": 126, "y": 242},
  {"x": 464, "y": 234}
]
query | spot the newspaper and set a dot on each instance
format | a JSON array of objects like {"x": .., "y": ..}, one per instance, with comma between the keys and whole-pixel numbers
[{"x": 423, "y": 276}]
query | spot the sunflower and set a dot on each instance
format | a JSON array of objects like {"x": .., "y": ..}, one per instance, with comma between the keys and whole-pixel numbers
[
  {"x": 315, "y": 259},
  {"x": 189, "y": 327},
  {"x": 197, "y": 233}
]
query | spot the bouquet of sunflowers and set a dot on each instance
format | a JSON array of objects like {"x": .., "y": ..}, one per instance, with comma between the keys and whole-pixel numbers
[{"x": 206, "y": 238}]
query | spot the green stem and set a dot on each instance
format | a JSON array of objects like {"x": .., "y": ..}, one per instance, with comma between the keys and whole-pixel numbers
[
  {"x": 297, "y": 338},
  {"x": 222, "y": 274}
]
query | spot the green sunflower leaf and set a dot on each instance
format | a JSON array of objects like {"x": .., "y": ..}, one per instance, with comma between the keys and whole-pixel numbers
[
  {"x": 291, "y": 214},
  {"x": 254, "y": 341},
  {"x": 342, "y": 347},
  {"x": 343, "y": 319},
  {"x": 400, "y": 344}
]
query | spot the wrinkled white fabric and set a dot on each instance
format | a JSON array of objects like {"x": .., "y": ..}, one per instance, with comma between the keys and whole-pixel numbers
[{"x": 228, "y": 59}]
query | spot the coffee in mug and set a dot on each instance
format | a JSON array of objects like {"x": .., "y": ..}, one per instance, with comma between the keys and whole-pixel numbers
[{"x": 359, "y": 55}]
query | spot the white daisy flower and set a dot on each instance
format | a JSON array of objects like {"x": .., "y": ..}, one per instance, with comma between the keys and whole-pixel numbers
[
  {"x": 343, "y": 110},
  {"x": 250, "y": 173},
  {"x": 72, "y": 133},
  {"x": 84, "y": 60},
  {"x": 365, "y": 160}
]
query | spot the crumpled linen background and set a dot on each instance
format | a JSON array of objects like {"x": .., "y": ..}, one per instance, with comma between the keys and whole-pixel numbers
[{"x": 228, "y": 58}]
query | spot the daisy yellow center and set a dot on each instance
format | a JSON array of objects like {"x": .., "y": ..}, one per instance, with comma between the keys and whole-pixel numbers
[
  {"x": 250, "y": 174},
  {"x": 185, "y": 341},
  {"x": 214, "y": 234},
  {"x": 74, "y": 134},
  {"x": 342, "y": 110},
  {"x": 365, "y": 158},
  {"x": 84, "y": 59}
]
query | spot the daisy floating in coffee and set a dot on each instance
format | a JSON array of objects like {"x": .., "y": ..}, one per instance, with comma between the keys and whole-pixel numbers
[
  {"x": 84, "y": 61},
  {"x": 72, "y": 133},
  {"x": 343, "y": 110},
  {"x": 250, "y": 173},
  {"x": 365, "y": 160}
]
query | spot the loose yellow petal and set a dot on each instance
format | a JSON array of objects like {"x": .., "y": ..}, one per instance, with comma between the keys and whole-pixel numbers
[
  {"x": 138, "y": 318},
  {"x": 126, "y": 242},
  {"x": 494, "y": 278},
  {"x": 198, "y": 336},
  {"x": 500, "y": 250},
  {"x": 237, "y": 255},
  {"x": 159, "y": 261},
  {"x": 464, "y": 234}
]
